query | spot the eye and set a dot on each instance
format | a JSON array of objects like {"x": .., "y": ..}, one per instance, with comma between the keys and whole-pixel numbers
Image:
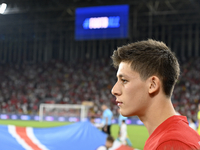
[{"x": 124, "y": 81}]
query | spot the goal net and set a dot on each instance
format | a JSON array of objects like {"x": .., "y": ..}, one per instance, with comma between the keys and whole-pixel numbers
[{"x": 63, "y": 112}]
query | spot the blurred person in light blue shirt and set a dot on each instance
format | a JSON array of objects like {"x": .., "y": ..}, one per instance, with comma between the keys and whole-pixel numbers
[{"x": 107, "y": 119}]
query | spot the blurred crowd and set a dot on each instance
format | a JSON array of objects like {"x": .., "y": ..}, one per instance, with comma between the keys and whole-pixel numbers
[
  {"x": 186, "y": 96},
  {"x": 24, "y": 87}
]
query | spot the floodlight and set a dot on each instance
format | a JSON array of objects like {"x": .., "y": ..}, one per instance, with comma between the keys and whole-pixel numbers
[{"x": 3, "y": 8}]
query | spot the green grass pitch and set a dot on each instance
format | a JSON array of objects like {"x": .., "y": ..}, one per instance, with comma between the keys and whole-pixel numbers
[{"x": 137, "y": 134}]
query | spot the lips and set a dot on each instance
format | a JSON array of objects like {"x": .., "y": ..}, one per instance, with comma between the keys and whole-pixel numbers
[{"x": 119, "y": 103}]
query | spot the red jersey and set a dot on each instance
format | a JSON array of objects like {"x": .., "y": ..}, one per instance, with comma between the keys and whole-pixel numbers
[{"x": 173, "y": 134}]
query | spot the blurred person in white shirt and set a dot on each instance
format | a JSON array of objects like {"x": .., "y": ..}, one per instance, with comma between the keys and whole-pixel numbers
[
  {"x": 109, "y": 143},
  {"x": 123, "y": 132}
]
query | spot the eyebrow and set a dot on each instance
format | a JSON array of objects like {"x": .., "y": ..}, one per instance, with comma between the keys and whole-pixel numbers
[{"x": 121, "y": 75}]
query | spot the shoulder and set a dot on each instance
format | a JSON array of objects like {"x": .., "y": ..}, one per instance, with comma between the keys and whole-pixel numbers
[
  {"x": 123, "y": 125},
  {"x": 179, "y": 132},
  {"x": 101, "y": 148},
  {"x": 108, "y": 111},
  {"x": 105, "y": 111},
  {"x": 181, "y": 138},
  {"x": 174, "y": 131},
  {"x": 173, "y": 145}
]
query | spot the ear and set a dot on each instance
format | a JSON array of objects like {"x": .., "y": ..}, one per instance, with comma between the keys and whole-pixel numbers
[{"x": 154, "y": 84}]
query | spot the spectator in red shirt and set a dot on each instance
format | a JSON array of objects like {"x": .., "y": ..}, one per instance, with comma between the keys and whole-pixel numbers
[{"x": 146, "y": 76}]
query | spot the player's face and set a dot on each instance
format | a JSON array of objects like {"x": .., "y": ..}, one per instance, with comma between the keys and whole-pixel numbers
[
  {"x": 109, "y": 144},
  {"x": 103, "y": 107},
  {"x": 130, "y": 91}
]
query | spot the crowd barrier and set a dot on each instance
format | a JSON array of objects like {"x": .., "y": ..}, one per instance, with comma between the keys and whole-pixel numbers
[{"x": 134, "y": 120}]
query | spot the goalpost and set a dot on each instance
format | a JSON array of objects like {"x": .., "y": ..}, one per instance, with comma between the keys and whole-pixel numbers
[{"x": 63, "y": 110}]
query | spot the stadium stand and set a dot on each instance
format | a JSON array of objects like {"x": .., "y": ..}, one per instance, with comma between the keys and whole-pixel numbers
[{"x": 24, "y": 87}]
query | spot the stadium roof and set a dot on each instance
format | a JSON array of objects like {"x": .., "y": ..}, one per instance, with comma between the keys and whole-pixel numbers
[
  {"x": 170, "y": 10},
  {"x": 166, "y": 20}
]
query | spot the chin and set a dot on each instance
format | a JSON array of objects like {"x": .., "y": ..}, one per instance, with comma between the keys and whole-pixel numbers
[{"x": 127, "y": 114}]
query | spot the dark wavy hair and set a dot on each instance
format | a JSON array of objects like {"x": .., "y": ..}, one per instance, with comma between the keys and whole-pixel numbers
[{"x": 150, "y": 58}]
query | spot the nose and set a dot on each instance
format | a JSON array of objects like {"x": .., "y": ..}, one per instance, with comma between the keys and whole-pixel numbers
[{"x": 116, "y": 90}]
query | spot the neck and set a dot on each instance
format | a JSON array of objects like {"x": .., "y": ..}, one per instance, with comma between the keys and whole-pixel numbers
[{"x": 160, "y": 110}]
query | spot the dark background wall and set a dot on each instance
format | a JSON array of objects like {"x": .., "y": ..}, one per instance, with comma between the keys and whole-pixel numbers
[{"x": 38, "y": 31}]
